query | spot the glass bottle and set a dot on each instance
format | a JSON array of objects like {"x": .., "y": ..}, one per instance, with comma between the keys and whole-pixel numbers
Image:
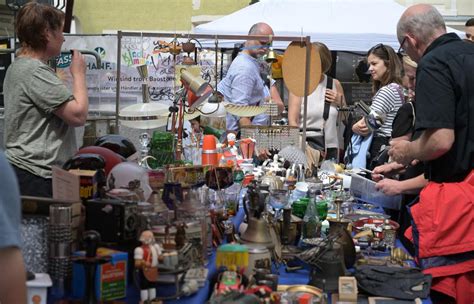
[{"x": 311, "y": 223}]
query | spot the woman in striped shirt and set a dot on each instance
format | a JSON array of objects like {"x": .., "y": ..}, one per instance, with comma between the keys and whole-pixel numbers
[{"x": 385, "y": 69}]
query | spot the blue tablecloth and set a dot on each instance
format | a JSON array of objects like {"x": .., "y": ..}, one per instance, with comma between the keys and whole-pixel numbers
[{"x": 293, "y": 278}]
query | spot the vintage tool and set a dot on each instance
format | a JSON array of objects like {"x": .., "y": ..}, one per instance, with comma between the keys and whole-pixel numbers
[{"x": 90, "y": 261}]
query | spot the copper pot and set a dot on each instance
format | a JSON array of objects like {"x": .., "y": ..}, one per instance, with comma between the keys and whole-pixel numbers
[{"x": 188, "y": 47}]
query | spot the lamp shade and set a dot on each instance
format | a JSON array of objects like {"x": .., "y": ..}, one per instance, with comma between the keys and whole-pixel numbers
[
  {"x": 144, "y": 115},
  {"x": 191, "y": 115},
  {"x": 195, "y": 101},
  {"x": 213, "y": 109},
  {"x": 244, "y": 111},
  {"x": 196, "y": 84}
]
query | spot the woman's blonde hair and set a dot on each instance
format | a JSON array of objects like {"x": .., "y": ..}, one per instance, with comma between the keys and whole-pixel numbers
[
  {"x": 325, "y": 55},
  {"x": 406, "y": 59}
]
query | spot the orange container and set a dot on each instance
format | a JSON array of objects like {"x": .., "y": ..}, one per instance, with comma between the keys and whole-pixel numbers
[
  {"x": 209, "y": 151},
  {"x": 209, "y": 157},
  {"x": 209, "y": 142}
]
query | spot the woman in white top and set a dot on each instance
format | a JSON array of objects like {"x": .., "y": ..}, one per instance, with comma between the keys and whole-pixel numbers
[
  {"x": 385, "y": 69},
  {"x": 316, "y": 125}
]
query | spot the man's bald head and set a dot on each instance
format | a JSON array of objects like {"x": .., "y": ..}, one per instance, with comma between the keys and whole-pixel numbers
[
  {"x": 418, "y": 27},
  {"x": 423, "y": 21},
  {"x": 261, "y": 28},
  {"x": 257, "y": 48}
]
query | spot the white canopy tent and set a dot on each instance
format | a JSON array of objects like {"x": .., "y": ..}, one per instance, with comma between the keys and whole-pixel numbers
[{"x": 343, "y": 25}]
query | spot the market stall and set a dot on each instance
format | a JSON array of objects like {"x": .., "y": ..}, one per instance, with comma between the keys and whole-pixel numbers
[{"x": 187, "y": 221}]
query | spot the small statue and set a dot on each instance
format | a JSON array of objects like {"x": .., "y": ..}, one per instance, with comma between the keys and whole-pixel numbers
[
  {"x": 146, "y": 258},
  {"x": 180, "y": 237}
]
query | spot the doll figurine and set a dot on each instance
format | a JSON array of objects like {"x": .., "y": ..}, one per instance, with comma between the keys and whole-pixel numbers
[{"x": 146, "y": 258}]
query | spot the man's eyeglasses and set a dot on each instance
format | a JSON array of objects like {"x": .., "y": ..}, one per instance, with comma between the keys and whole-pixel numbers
[
  {"x": 265, "y": 44},
  {"x": 401, "y": 50}
]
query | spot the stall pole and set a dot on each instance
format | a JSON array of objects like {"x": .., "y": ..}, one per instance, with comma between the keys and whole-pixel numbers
[
  {"x": 117, "y": 89},
  {"x": 306, "y": 87}
]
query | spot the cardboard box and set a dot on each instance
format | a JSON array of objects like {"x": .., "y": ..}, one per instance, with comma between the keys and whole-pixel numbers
[
  {"x": 74, "y": 184},
  {"x": 88, "y": 184},
  {"x": 38, "y": 289},
  {"x": 110, "y": 278},
  {"x": 348, "y": 289},
  {"x": 188, "y": 176}
]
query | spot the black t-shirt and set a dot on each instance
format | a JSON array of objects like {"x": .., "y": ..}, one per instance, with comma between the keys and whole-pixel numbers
[
  {"x": 403, "y": 121},
  {"x": 445, "y": 100}
]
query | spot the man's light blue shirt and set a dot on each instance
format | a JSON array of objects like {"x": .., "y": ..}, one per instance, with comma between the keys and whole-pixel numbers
[{"x": 243, "y": 85}]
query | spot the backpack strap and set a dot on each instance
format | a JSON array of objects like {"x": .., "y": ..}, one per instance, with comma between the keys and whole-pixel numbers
[
  {"x": 413, "y": 112},
  {"x": 327, "y": 104}
]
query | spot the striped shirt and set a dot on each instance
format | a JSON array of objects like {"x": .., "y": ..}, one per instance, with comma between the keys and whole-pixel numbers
[{"x": 387, "y": 101}]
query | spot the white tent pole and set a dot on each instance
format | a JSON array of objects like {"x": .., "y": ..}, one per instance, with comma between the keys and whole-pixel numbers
[{"x": 307, "y": 42}]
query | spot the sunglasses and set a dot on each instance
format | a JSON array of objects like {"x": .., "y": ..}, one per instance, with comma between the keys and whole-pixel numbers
[
  {"x": 401, "y": 51},
  {"x": 376, "y": 47}
]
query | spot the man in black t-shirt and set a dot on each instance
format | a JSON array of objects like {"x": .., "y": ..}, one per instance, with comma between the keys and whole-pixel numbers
[{"x": 444, "y": 96}]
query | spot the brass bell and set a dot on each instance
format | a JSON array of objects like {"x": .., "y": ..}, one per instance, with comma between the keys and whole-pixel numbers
[
  {"x": 257, "y": 232},
  {"x": 271, "y": 56}
]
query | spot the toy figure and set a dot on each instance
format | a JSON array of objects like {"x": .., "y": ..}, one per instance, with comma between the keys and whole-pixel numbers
[
  {"x": 180, "y": 237},
  {"x": 146, "y": 258}
]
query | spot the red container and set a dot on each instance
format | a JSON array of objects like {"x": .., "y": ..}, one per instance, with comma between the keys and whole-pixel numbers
[{"x": 209, "y": 151}]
